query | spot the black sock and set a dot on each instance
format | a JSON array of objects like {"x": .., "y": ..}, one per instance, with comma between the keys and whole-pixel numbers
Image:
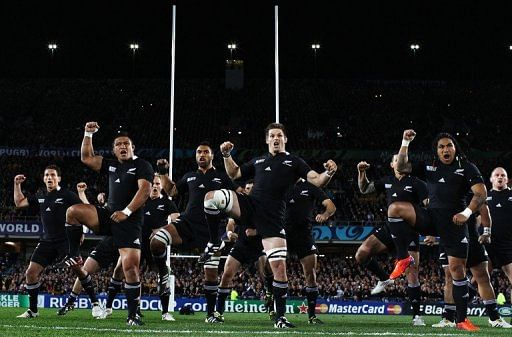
[
  {"x": 400, "y": 231},
  {"x": 311, "y": 295},
  {"x": 449, "y": 312},
  {"x": 114, "y": 287},
  {"x": 460, "y": 297},
  {"x": 280, "y": 290},
  {"x": 33, "y": 291},
  {"x": 269, "y": 279},
  {"x": 132, "y": 297},
  {"x": 222, "y": 295},
  {"x": 472, "y": 291},
  {"x": 210, "y": 292},
  {"x": 74, "y": 234},
  {"x": 161, "y": 264},
  {"x": 374, "y": 267},
  {"x": 213, "y": 219},
  {"x": 492, "y": 311},
  {"x": 414, "y": 294},
  {"x": 89, "y": 288},
  {"x": 71, "y": 298},
  {"x": 164, "y": 301}
]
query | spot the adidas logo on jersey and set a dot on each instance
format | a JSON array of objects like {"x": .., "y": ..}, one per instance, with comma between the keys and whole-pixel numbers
[
  {"x": 117, "y": 180},
  {"x": 268, "y": 168},
  {"x": 201, "y": 186},
  {"x": 48, "y": 209},
  {"x": 465, "y": 240},
  {"x": 498, "y": 205},
  {"x": 148, "y": 213},
  {"x": 137, "y": 241},
  {"x": 282, "y": 231},
  {"x": 292, "y": 201},
  {"x": 441, "y": 180},
  {"x": 394, "y": 195}
]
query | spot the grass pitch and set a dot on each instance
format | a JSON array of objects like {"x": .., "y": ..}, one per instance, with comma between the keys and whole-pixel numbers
[{"x": 79, "y": 323}]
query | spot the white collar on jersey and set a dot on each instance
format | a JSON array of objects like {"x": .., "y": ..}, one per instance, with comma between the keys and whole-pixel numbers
[{"x": 134, "y": 157}]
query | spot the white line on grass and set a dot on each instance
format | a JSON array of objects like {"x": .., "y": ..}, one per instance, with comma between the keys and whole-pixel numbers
[{"x": 230, "y": 332}]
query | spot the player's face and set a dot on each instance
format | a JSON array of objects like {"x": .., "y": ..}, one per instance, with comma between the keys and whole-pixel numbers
[
  {"x": 156, "y": 188},
  {"x": 51, "y": 179},
  {"x": 123, "y": 148},
  {"x": 446, "y": 150},
  {"x": 276, "y": 141},
  {"x": 204, "y": 156},
  {"x": 499, "y": 179},
  {"x": 248, "y": 188}
]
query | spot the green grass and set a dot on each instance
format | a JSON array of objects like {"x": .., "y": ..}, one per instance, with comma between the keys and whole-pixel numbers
[{"x": 79, "y": 323}]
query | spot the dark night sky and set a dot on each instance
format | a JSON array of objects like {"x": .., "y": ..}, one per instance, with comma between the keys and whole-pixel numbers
[{"x": 359, "y": 39}]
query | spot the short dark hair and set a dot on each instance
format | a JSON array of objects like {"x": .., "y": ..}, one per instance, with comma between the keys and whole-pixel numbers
[
  {"x": 275, "y": 126},
  {"x": 250, "y": 181},
  {"x": 122, "y": 134},
  {"x": 205, "y": 143},
  {"x": 53, "y": 167}
]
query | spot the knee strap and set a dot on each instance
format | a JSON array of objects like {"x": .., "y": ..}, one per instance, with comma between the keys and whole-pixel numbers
[{"x": 163, "y": 236}]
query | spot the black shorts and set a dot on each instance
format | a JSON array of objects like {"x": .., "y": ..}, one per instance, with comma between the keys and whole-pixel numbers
[
  {"x": 383, "y": 234},
  {"x": 126, "y": 234},
  {"x": 47, "y": 252},
  {"x": 195, "y": 236},
  {"x": 247, "y": 252},
  {"x": 254, "y": 215},
  {"x": 476, "y": 255},
  {"x": 301, "y": 243},
  {"x": 499, "y": 255},
  {"x": 438, "y": 222},
  {"x": 105, "y": 253}
]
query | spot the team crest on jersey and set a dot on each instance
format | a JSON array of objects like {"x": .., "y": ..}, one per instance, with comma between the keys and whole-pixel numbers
[
  {"x": 217, "y": 180},
  {"x": 160, "y": 207},
  {"x": 112, "y": 169},
  {"x": 191, "y": 179},
  {"x": 259, "y": 161},
  {"x": 431, "y": 168},
  {"x": 59, "y": 200},
  {"x": 304, "y": 193},
  {"x": 40, "y": 200},
  {"x": 408, "y": 188},
  {"x": 131, "y": 170},
  {"x": 460, "y": 172},
  {"x": 287, "y": 163},
  {"x": 388, "y": 185}
]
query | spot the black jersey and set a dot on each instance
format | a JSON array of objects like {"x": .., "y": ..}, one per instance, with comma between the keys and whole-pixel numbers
[
  {"x": 197, "y": 184},
  {"x": 300, "y": 203},
  {"x": 500, "y": 207},
  {"x": 52, "y": 208},
  {"x": 156, "y": 212},
  {"x": 408, "y": 189},
  {"x": 273, "y": 176},
  {"x": 123, "y": 182},
  {"x": 448, "y": 185}
]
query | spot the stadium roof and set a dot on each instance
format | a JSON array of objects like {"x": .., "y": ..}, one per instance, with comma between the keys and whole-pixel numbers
[{"x": 359, "y": 39}]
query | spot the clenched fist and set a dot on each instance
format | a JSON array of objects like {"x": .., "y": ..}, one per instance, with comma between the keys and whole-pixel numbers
[
  {"x": 226, "y": 148},
  {"x": 91, "y": 127},
  {"x": 363, "y": 166},
  {"x": 409, "y": 135},
  {"x": 81, "y": 187},
  {"x": 330, "y": 167},
  {"x": 19, "y": 179}
]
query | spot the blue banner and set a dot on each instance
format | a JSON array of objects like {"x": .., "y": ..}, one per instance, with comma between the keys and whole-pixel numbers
[{"x": 341, "y": 233}]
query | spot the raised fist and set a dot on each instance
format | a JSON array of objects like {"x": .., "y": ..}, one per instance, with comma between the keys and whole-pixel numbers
[
  {"x": 331, "y": 167},
  {"x": 162, "y": 166},
  {"x": 91, "y": 127},
  {"x": 226, "y": 148},
  {"x": 81, "y": 187},
  {"x": 409, "y": 135},
  {"x": 363, "y": 166},
  {"x": 19, "y": 179}
]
